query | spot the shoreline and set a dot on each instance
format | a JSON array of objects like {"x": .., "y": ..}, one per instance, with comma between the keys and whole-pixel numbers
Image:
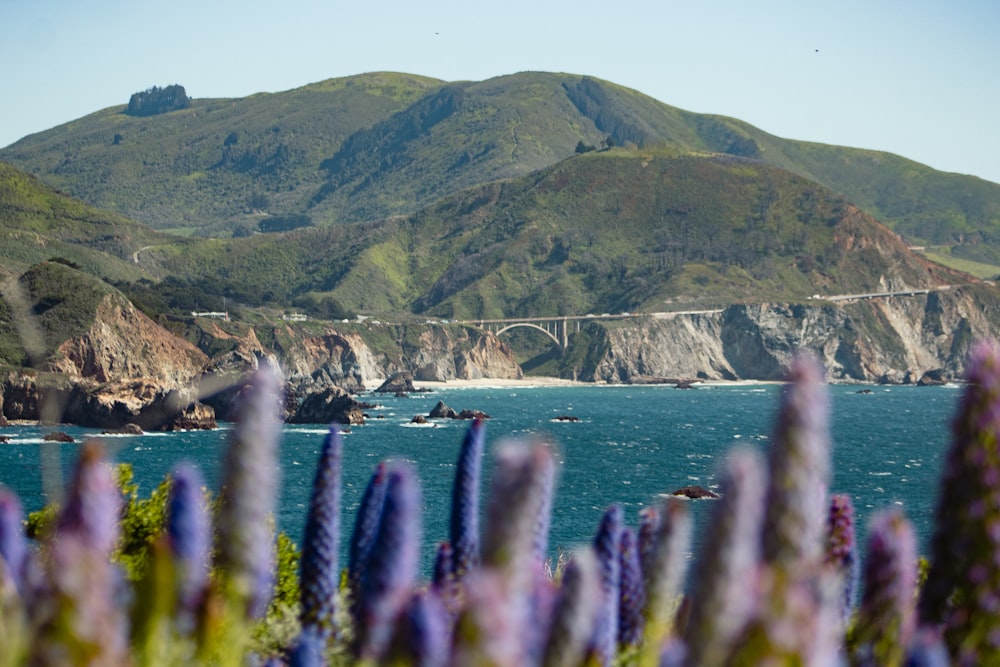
[{"x": 548, "y": 381}]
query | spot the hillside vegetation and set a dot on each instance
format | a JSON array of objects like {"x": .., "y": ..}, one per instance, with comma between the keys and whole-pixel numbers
[
  {"x": 38, "y": 223},
  {"x": 372, "y": 146},
  {"x": 600, "y": 232}
]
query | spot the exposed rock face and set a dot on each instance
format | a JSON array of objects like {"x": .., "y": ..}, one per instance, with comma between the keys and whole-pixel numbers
[
  {"x": 440, "y": 354},
  {"x": 330, "y": 405},
  {"x": 397, "y": 383},
  {"x": 442, "y": 411},
  {"x": 343, "y": 358},
  {"x": 897, "y": 339},
  {"x": 327, "y": 360},
  {"x": 123, "y": 344}
]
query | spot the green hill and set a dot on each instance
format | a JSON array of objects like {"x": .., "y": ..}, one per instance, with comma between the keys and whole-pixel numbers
[
  {"x": 372, "y": 146},
  {"x": 56, "y": 301},
  {"x": 603, "y": 231},
  {"x": 38, "y": 223},
  {"x": 219, "y": 163}
]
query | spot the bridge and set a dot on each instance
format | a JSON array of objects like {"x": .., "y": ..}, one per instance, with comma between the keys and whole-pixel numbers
[{"x": 557, "y": 328}]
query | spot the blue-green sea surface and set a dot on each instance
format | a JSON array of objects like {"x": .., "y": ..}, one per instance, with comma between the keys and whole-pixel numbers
[{"x": 630, "y": 445}]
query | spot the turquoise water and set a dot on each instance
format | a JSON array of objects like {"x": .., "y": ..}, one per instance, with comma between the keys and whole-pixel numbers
[{"x": 631, "y": 444}]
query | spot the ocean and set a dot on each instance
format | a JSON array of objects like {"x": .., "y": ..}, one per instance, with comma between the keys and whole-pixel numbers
[{"x": 631, "y": 445}]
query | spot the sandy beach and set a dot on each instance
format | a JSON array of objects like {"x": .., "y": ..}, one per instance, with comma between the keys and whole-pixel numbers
[{"x": 541, "y": 381}]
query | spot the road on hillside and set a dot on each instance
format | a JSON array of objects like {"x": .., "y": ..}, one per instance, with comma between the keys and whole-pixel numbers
[{"x": 861, "y": 296}]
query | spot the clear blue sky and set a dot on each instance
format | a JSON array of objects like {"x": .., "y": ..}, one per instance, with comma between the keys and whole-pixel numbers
[{"x": 916, "y": 78}]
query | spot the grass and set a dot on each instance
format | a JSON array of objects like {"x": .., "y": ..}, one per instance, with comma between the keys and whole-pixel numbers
[{"x": 943, "y": 256}]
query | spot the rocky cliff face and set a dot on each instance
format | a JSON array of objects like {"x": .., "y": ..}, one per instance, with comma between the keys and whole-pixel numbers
[
  {"x": 322, "y": 362},
  {"x": 123, "y": 369},
  {"x": 122, "y": 344},
  {"x": 895, "y": 340}
]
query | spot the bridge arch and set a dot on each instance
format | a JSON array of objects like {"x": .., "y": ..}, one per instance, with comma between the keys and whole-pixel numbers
[{"x": 530, "y": 326}]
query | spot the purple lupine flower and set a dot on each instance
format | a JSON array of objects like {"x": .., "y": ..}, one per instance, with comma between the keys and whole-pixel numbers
[
  {"x": 320, "y": 580},
  {"x": 366, "y": 523},
  {"x": 649, "y": 525},
  {"x": 488, "y": 630},
  {"x": 541, "y": 603},
  {"x": 443, "y": 580},
  {"x": 245, "y": 546},
  {"x": 93, "y": 502},
  {"x": 443, "y": 569},
  {"x": 189, "y": 534},
  {"x": 841, "y": 548},
  {"x": 543, "y": 521},
  {"x": 673, "y": 653},
  {"x": 13, "y": 545},
  {"x": 391, "y": 570},
  {"x": 886, "y": 616},
  {"x": 77, "y": 612},
  {"x": 667, "y": 567},
  {"x": 309, "y": 648},
  {"x": 515, "y": 496},
  {"x": 927, "y": 650},
  {"x": 575, "y": 611},
  {"x": 798, "y": 467},
  {"x": 421, "y": 637},
  {"x": 464, "y": 524},
  {"x": 723, "y": 596},
  {"x": 962, "y": 585},
  {"x": 607, "y": 546},
  {"x": 362, "y": 538},
  {"x": 632, "y": 593}
]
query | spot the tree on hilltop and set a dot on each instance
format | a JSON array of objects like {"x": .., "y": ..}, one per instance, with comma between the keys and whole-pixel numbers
[{"x": 158, "y": 100}]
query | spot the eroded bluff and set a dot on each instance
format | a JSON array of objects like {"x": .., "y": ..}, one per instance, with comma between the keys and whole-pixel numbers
[{"x": 891, "y": 340}]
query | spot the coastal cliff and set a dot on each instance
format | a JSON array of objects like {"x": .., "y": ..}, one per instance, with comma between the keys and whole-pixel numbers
[
  {"x": 124, "y": 368},
  {"x": 889, "y": 340}
]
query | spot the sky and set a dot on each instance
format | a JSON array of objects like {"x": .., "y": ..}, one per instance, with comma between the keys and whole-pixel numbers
[{"x": 917, "y": 78}]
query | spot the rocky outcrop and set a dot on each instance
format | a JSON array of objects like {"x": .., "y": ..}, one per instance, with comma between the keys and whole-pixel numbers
[
  {"x": 330, "y": 405},
  {"x": 442, "y": 411},
  {"x": 695, "y": 492},
  {"x": 124, "y": 344},
  {"x": 442, "y": 353},
  {"x": 894, "y": 340},
  {"x": 53, "y": 398},
  {"x": 397, "y": 383}
]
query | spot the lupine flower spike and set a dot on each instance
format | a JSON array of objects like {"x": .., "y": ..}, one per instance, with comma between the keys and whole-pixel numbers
[
  {"x": 14, "y": 557},
  {"x": 362, "y": 538},
  {"x": 511, "y": 528},
  {"x": 515, "y": 496},
  {"x": 798, "y": 466},
  {"x": 245, "y": 547},
  {"x": 575, "y": 611},
  {"x": 632, "y": 593},
  {"x": 320, "y": 580},
  {"x": 664, "y": 572},
  {"x": 544, "y": 515},
  {"x": 963, "y": 585},
  {"x": 308, "y": 649},
  {"x": 13, "y": 545},
  {"x": 724, "y": 596},
  {"x": 421, "y": 637},
  {"x": 464, "y": 526},
  {"x": 607, "y": 545},
  {"x": 189, "y": 535},
  {"x": 391, "y": 571},
  {"x": 841, "y": 549},
  {"x": 886, "y": 616},
  {"x": 79, "y": 614}
]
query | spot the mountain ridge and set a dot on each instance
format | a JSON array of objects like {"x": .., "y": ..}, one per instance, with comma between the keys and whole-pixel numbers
[{"x": 394, "y": 143}]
